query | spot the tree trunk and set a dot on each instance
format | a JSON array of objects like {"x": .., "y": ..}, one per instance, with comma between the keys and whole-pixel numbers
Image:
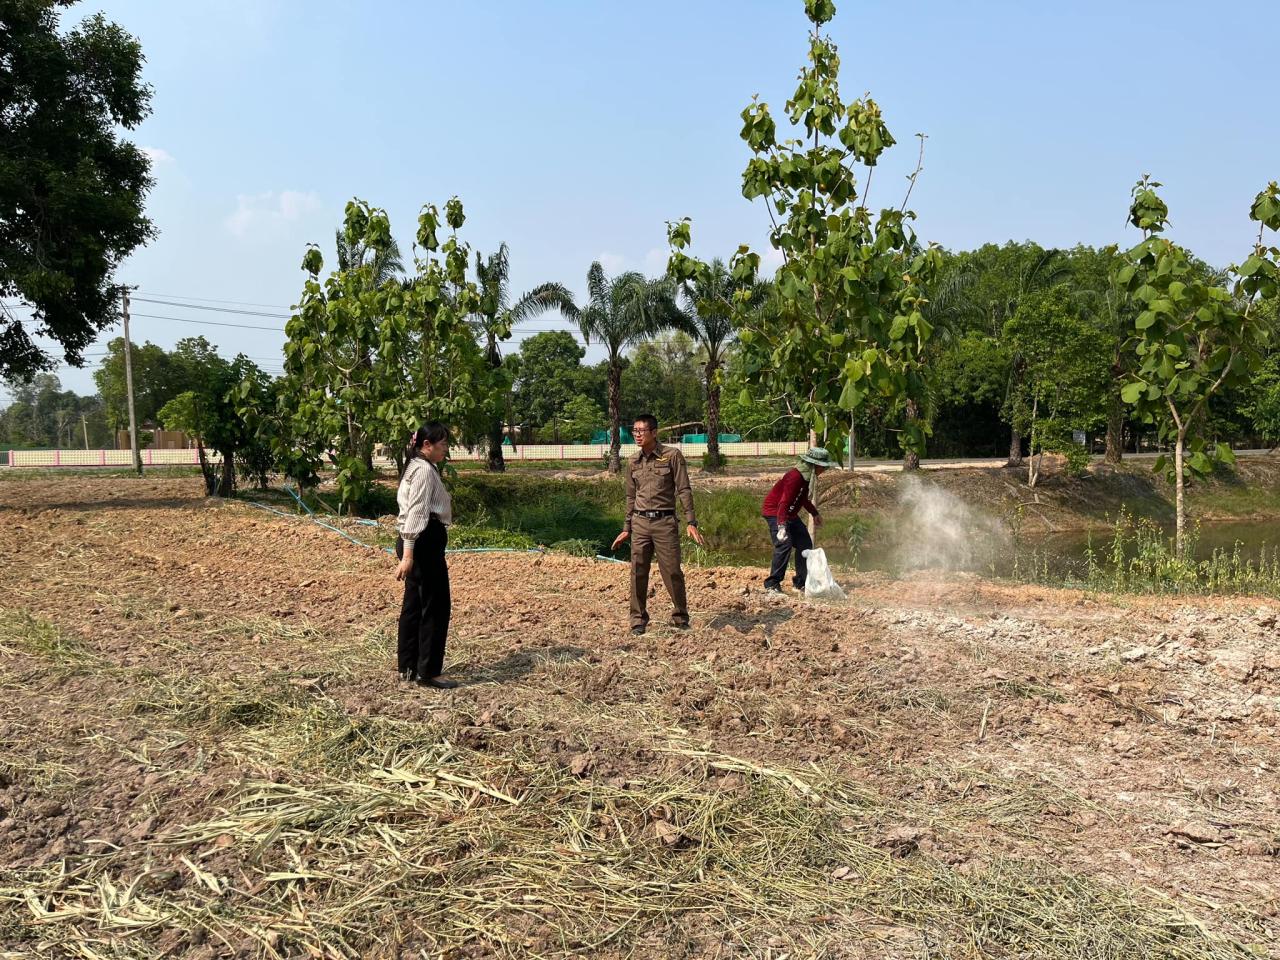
[
  {"x": 206, "y": 470},
  {"x": 1015, "y": 447},
  {"x": 1011, "y": 405},
  {"x": 615, "y": 415},
  {"x": 1180, "y": 511},
  {"x": 496, "y": 464},
  {"x": 1033, "y": 462},
  {"x": 910, "y": 458},
  {"x": 713, "y": 420},
  {"x": 1115, "y": 416},
  {"x": 227, "y": 485},
  {"x": 1115, "y": 430}
]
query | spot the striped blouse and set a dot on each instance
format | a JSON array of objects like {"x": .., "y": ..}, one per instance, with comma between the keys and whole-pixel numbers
[{"x": 422, "y": 492}]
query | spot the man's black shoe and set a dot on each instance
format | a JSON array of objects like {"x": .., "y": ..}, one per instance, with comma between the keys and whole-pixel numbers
[
  {"x": 680, "y": 626},
  {"x": 438, "y": 683},
  {"x": 407, "y": 675},
  {"x": 638, "y": 631},
  {"x": 770, "y": 588}
]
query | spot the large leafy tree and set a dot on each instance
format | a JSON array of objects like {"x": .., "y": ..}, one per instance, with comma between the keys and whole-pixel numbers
[
  {"x": 850, "y": 326},
  {"x": 621, "y": 312},
  {"x": 207, "y": 409},
  {"x": 1260, "y": 405},
  {"x": 582, "y": 417},
  {"x": 42, "y": 414},
  {"x": 1002, "y": 277},
  {"x": 944, "y": 310},
  {"x": 495, "y": 318},
  {"x": 71, "y": 189},
  {"x": 1066, "y": 370},
  {"x": 664, "y": 377},
  {"x": 370, "y": 356},
  {"x": 156, "y": 381},
  {"x": 547, "y": 378},
  {"x": 1193, "y": 337}
]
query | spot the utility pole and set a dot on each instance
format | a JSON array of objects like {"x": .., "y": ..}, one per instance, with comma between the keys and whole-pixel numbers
[
  {"x": 128, "y": 382},
  {"x": 84, "y": 422}
]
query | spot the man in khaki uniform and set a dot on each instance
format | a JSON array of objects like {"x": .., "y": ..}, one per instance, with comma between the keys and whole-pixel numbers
[{"x": 656, "y": 476}]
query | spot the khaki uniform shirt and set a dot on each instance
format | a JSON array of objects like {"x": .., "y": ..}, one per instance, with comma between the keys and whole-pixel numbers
[{"x": 655, "y": 480}]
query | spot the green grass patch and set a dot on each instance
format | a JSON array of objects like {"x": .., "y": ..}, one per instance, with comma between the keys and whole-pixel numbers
[{"x": 1140, "y": 557}]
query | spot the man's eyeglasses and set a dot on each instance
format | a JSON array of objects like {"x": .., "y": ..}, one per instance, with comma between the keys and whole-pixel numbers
[{"x": 641, "y": 430}]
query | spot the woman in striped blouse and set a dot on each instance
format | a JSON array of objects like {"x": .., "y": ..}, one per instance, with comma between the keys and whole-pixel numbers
[{"x": 426, "y": 510}]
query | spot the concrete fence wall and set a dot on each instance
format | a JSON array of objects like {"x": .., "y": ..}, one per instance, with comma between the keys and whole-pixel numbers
[{"x": 543, "y": 451}]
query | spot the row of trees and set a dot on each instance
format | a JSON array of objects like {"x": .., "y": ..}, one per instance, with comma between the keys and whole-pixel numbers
[
  {"x": 1012, "y": 321},
  {"x": 860, "y": 304},
  {"x": 41, "y": 414},
  {"x": 864, "y": 333}
]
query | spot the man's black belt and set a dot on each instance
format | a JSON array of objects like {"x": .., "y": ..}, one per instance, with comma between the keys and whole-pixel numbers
[{"x": 655, "y": 514}]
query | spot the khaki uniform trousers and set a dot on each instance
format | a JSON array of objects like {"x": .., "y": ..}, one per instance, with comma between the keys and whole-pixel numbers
[{"x": 660, "y": 537}]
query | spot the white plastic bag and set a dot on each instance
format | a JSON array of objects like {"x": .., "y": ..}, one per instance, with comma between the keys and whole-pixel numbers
[{"x": 820, "y": 585}]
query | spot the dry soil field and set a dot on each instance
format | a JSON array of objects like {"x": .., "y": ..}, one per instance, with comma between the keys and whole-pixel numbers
[{"x": 204, "y": 752}]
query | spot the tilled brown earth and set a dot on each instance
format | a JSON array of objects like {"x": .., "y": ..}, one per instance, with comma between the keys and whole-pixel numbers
[{"x": 204, "y": 752}]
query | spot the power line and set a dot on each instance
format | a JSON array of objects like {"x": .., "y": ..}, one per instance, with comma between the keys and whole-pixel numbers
[
  {"x": 195, "y": 306},
  {"x": 241, "y": 303},
  {"x": 209, "y": 323}
]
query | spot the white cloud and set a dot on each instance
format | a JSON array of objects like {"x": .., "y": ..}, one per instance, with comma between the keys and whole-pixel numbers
[
  {"x": 652, "y": 264},
  {"x": 655, "y": 262},
  {"x": 613, "y": 263},
  {"x": 157, "y": 155},
  {"x": 770, "y": 261},
  {"x": 259, "y": 211}
]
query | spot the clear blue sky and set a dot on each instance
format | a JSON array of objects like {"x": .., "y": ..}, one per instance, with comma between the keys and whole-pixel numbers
[{"x": 573, "y": 129}]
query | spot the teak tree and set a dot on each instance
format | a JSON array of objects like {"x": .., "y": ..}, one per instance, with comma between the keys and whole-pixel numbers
[
  {"x": 850, "y": 323},
  {"x": 1192, "y": 337},
  {"x": 368, "y": 358}
]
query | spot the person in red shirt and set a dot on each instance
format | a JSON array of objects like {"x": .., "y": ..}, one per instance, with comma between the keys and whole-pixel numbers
[{"x": 781, "y": 511}]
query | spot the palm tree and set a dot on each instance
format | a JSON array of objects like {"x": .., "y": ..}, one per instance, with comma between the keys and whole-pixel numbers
[
  {"x": 496, "y": 317},
  {"x": 709, "y": 309},
  {"x": 1044, "y": 270},
  {"x": 1113, "y": 311},
  {"x": 387, "y": 264},
  {"x": 947, "y": 305},
  {"x": 620, "y": 313}
]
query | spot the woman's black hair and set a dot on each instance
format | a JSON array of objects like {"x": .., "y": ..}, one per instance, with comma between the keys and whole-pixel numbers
[{"x": 433, "y": 431}]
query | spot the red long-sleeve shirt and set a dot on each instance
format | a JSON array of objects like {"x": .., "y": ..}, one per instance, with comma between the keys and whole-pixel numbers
[{"x": 787, "y": 497}]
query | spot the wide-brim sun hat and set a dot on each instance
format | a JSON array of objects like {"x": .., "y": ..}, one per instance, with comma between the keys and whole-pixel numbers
[{"x": 820, "y": 457}]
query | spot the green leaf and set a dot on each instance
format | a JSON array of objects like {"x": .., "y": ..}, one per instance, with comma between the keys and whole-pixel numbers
[
  {"x": 820, "y": 11},
  {"x": 1130, "y": 392}
]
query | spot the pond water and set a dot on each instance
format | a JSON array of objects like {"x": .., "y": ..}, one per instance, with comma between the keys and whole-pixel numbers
[{"x": 993, "y": 550}]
